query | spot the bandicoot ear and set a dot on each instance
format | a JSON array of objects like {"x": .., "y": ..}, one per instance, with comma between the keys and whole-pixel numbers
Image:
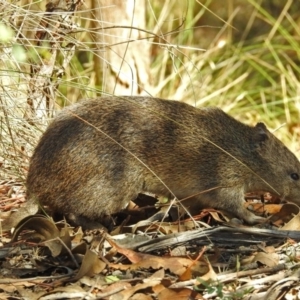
[{"x": 260, "y": 135}]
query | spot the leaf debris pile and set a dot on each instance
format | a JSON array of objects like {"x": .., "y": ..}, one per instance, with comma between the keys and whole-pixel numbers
[{"x": 192, "y": 259}]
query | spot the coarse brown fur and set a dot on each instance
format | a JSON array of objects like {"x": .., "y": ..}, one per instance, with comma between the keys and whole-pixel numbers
[{"x": 78, "y": 167}]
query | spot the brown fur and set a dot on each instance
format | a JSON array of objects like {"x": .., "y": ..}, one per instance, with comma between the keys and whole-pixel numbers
[{"x": 79, "y": 170}]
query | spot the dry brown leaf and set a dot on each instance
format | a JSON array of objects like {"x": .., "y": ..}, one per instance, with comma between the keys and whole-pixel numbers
[
  {"x": 55, "y": 246},
  {"x": 90, "y": 265},
  {"x": 14, "y": 283},
  {"x": 177, "y": 265},
  {"x": 139, "y": 296},
  {"x": 292, "y": 216},
  {"x": 178, "y": 294},
  {"x": 65, "y": 237},
  {"x": 9, "y": 288},
  {"x": 27, "y": 293},
  {"x": 3, "y": 296},
  {"x": 58, "y": 246},
  {"x": 168, "y": 228},
  {"x": 126, "y": 294},
  {"x": 63, "y": 292},
  {"x": 293, "y": 224},
  {"x": 44, "y": 228},
  {"x": 80, "y": 249},
  {"x": 45, "y": 231},
  {"x": 285, "y": 212},
  {"x": 270, "y": 249},
  {"x": 209, "y": 276},
  {"x": 159, "y": 288},
  {"x": 268, "y": 259},
  {"x": 97, "y": 281},
  {"x": 165, "y": 227},
  {"x": 256, "y": 207},
  {"x": 186, "y": 275},
  {"x": 272, "y": 209},
  {"x": 178, "y": 251},
  {"x": 114, "y": 289},
  {"x": 77, "y": 237},
  {"x": 160, "y": 275},
  {"x": 216, "y": 215}
]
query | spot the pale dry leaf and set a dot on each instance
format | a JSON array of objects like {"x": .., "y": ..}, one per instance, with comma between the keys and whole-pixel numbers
[
  {"x": 216, "y": 216},
  {"x": 67, "y": 292},
  {"x": 159, "y": 288},
  {"x": 90, "y": 265},
  {"x": 45, "y": 227},
  {"x": 9, "y": 288},
  {"x": 127, "y": 293},
  {"x": 114, "y": 289},
  {"x": 178, "y": 251},
  {"x": 178, "y": 294},
  {"x": 3, "y": 296},
  {"x": 140, "y": 296},
  {"x": 158, "y": 275},
  {"x": 287, "y": 213},
  {"x": 169, "y": 228},
  {"x": 77, "y": 237},
  {"x": 97, "y": 281},
  {"x": 65, "y": 236},
  {"x": 177, "y": 265},
  {"x": 293, "y": 224},
  {"x": 209, "y": 276},
  {"x": 268, "y": 259},
  {"x": 27, "y": 293}
]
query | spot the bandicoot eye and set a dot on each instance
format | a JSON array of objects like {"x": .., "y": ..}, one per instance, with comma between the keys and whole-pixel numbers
[{"x": 295, "y": 176}]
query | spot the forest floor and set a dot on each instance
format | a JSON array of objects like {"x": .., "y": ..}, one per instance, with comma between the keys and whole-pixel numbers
[{"x": 146, "y": 255}]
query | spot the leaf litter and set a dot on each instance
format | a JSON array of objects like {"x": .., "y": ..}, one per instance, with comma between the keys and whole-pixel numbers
[{"x": 153, "y": 257}]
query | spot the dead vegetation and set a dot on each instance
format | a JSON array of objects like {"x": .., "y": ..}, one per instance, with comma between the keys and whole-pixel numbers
[{"x": 206, "y": 257}]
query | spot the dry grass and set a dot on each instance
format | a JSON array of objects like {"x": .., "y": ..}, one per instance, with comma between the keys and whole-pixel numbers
[
  {"x": 255, "y": 78},
  {"x": 199, "y": 56}
]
